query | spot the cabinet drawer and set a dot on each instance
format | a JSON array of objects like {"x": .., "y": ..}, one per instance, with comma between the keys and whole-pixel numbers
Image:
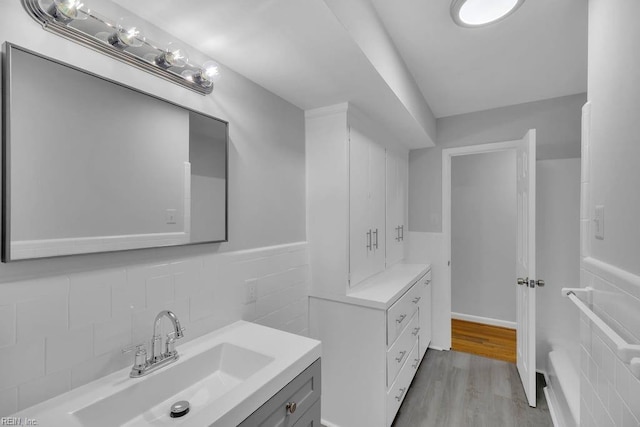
[
  {"x": 401, "y": 312},
  {"x": 311, "y": 418},
  {"x": 398, "y": 390},
  {"x": 304, "y": 391},
  {"x": 399, "y": 351}
]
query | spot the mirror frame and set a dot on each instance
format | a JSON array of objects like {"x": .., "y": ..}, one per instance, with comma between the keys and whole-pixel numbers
[{"x": 7, "y": 49}]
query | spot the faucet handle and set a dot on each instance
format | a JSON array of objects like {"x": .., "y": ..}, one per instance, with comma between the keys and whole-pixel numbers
[
  {"x": 142, "y": 347},
  {"x": 170, "y": 343},
  {"x": 140, "y": 355}
]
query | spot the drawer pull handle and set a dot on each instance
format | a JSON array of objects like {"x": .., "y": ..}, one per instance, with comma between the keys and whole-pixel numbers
[
  {"x": 401, "y": 356},
  {"x": 416, "y": 300},
  {"x": 291, "y": 407},
  {"x": 415, "y": 366},
  {"x": 415, "y": 331},
  {"x": 401, "y": 318},
  {"x": 399, "y": 397},
  {"x": 426, "y": 282}
]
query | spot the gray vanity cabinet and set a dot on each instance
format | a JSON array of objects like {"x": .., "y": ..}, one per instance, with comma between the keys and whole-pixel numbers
[{"x": 296, "y": 405}]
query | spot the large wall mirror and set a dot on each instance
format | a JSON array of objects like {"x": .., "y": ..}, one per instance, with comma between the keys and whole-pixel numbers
[{"x": 90, "y": 165}]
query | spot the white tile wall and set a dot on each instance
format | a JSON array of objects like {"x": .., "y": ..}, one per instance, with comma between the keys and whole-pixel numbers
[
  {"x": 59, "y": 333},
  {"x": 610, "y": 393}
]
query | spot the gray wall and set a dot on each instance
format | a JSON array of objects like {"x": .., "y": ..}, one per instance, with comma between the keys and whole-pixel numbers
[
  {"x": 266, "y": 158},
  {"x": 483, "y": 235},
  {"x": 557, "y": 122},
  {"x": 557, "y": 255}
]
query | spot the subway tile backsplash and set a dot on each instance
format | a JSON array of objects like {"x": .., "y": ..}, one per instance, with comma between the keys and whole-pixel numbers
[{"x": 62, "y": 332}]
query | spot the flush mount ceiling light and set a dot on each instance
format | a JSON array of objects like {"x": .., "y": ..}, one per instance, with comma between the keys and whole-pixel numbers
[
  {"x": 478, "y": 13},
  {"x": 122, "y": 39}
]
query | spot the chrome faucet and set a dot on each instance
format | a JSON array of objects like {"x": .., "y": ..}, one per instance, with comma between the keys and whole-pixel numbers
[{"x": 143, "y": 365}]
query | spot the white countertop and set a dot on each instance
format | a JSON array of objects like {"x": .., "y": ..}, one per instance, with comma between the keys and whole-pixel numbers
[
  {"x": 291, "y": 355},
  {"x": 383, "y": 289}
]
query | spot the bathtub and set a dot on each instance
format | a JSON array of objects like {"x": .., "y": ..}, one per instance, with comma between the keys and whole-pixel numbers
[{"x": 563, "y": 386}]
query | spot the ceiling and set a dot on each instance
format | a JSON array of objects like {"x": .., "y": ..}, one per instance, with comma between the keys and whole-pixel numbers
[
  {"x": 313, "y": 54},
  {"x": 537, "y": 53}
]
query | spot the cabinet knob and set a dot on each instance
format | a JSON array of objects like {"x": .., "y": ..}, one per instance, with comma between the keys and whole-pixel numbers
[{"x": 291, "y": 407}]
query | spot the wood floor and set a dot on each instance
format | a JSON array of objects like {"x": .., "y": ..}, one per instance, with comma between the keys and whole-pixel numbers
[
  {"x": 453, "y": 389},
  {"x": 484, "y": 340}
]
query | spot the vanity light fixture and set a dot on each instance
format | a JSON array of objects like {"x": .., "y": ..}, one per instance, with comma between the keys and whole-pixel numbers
[
  {"x": 123, "y": 39},
  {"x": 67, "y": 10},
  {"x": 208, "y": 74},
  {"x": 127, "y": 34},
  {"x": 173, "y": 55},
  {"x": 479, "y": 13}
]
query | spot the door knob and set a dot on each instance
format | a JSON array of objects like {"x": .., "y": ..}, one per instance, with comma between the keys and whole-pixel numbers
[
  {"x": 522, "y": 281},
  {"x": 540, "y": 282}
]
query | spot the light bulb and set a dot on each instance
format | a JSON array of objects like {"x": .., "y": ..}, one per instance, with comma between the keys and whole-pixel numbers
[
  {"x": 68, "y": 10},
  {"x": 208, "y": 74},
  {"x": 175, "y": 55},
  {"x": 188, "y": 75},
  {"x": 127, "y": 34}
]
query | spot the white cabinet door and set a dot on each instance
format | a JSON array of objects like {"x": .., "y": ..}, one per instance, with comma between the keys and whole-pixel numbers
[
  {"x": 366, "y": 208},
  {"x": 397, "y": 177},
  {"x": 360, "y": 232},
  {"x": 377, "y": 205}
]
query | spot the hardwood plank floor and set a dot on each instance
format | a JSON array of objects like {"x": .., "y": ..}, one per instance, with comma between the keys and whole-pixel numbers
[
  {"x": 454, "y": 389},
  {"x": 484, "y": 340}
]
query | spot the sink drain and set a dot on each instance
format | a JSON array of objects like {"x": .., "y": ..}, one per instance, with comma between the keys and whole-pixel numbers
[{"x": 179, "y": 409}]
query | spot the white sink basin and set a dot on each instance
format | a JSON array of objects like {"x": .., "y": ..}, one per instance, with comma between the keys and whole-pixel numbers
[
  {"x": 200, "y": 380},
  {"x": 225, "y": 376}
]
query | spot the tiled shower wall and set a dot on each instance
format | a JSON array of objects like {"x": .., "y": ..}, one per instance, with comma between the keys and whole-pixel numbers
[
  {"x": 59, "y": 333},
  {"x": 609, "y": 392}
]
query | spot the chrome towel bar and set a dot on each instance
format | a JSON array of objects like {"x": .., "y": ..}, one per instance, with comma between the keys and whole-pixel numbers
[{"x": 628, "y": 353}]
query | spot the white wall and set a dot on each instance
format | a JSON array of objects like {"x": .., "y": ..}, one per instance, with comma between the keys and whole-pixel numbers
[
  {"x": 557, "y": 255},
  {"x": 63, "y": 321},
  {"x": 483, "y": 235},
  {"x": 610, "y": 394},
  {"x": 557, "y": 124}
]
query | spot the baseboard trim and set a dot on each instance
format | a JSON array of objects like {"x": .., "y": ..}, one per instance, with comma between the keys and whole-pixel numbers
[
  {"x": 484, "y": 320},
  {"x": 551, "y": 405}
]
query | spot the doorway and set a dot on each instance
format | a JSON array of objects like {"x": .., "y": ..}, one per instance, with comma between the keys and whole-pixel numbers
[
  {"x": 483, "y": 255},
  {"x": 448, "y": 156}
]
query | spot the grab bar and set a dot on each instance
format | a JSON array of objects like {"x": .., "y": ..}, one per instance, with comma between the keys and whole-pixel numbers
[{"x": 628, "y": 353}]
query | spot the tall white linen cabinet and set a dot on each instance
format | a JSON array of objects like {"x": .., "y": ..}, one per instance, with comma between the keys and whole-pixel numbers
[{"x": 371, "y": 310}]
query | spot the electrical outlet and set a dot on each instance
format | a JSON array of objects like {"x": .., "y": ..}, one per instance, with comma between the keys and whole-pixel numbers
[
  {"x": 170, "y": 216},
  {"x": 598, "y": 222},
  {"x": 251, "y": 293}
]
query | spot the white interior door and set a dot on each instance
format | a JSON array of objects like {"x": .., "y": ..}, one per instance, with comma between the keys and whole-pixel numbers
[{"x": 526, "y": 265}]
